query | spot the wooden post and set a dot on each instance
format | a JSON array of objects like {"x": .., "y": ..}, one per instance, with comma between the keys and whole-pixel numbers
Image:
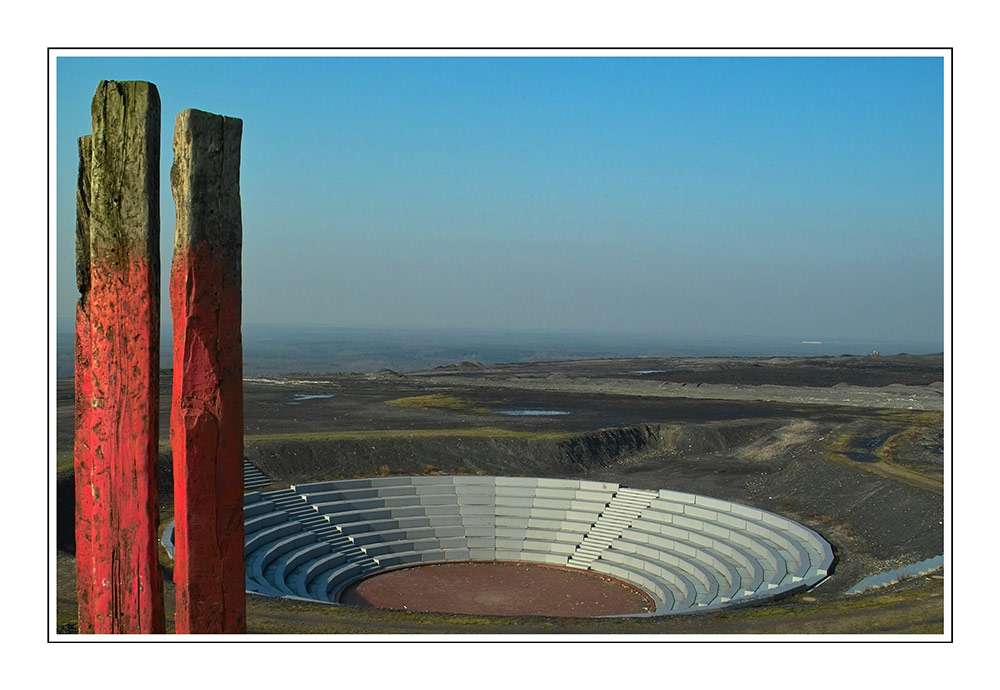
[
  {"x": 117, "y": 427},
  {"x": 206, "y": 415},
  {"x": 83, "y": 463}
]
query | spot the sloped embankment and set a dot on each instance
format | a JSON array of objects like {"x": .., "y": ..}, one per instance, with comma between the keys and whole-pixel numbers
[
  {"x": 298, "y": 458},
  {"x": 291, "y": 459}
]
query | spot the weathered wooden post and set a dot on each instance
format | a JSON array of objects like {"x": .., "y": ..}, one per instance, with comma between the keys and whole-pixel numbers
[
  {"x": 83, "y": 395},
  {"x": 206, "y": 417},
  {"x": 117, "y": 377}
]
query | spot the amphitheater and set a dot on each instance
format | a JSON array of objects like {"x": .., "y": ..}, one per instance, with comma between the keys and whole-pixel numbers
[{"x": 686, "y": 552}]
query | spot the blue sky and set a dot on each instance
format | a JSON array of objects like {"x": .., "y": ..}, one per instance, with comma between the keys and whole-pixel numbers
[{"x": 683, "y": 197}]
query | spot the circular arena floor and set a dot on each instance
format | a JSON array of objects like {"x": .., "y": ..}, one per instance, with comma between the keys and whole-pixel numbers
[
  {"x": 498, "y": 589},
  {"x": 357, "y": 541}
]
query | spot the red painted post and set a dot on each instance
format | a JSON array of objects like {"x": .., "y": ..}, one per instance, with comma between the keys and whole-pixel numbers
[
  {"x": 206, "y": 416},
  {"x": 83, "y": 387},
  {"x": 121, "y": 589}
]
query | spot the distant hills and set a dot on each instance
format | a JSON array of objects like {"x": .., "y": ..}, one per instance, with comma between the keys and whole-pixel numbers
[{"x": 286, "y": 350}]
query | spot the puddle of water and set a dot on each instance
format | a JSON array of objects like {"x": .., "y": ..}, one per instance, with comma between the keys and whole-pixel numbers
[
  {"x": 864, "y": 449},
  {"x": 531, "y": 413},
  {"x": 299, "y": 397},
  {"x": 648, "y": 371},
  {"x": 873, "y": 443}
]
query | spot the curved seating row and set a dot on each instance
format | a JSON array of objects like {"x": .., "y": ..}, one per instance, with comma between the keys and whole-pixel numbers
[
  {"x": 686, "y": 551},
  {"x": 708, "y": 552}
]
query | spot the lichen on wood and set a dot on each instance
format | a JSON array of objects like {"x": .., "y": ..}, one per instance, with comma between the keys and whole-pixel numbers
[{"x": 118, "y": 362}]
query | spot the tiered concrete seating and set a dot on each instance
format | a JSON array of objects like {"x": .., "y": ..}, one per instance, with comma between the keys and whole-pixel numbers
[
  {"x": 621, "y": 510},
  {"x": 262, "y": 532},
  {"x": 687, "y": 552},
  {"x": 252, "y": 477},
  {"x": 727, "y": 552}
]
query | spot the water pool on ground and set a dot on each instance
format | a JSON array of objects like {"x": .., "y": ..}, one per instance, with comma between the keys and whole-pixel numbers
[{"x": 532, "y": 413}]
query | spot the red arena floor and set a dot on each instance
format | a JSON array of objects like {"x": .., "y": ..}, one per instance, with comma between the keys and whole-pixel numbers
[{"x": 498, "y": 589}]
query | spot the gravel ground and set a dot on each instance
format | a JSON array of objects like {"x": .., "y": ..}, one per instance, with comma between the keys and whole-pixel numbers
[{"x": 896, "y": 382}]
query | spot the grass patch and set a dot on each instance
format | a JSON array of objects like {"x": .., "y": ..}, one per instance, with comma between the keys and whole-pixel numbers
[
  {"x": 887, "y": 451},
  {"x": 439, "y": 400},
  {"x": 920, "y": 418},
  {"x": 369, "y": 435},
  {"x": 916, "y": 609},
  {"x": 435, "y": 400},
  {"x": 839, "y": 448}
]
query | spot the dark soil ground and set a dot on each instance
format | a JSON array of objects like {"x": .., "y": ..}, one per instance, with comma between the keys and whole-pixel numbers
[
  {"x": 867, "y": 475},
  {"x": 910, "y": 370}
]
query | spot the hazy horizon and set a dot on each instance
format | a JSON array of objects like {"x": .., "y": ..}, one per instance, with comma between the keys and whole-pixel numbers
[
  {"x": 278, "y": 349},
  {"x": 65, "y": 326},
  {"x": 634, "y": 197}
]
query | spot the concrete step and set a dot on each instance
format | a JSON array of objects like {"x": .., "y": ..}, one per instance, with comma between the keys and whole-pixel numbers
[
  {"x": 252, "y": 477},
  {"x": 626, "y": 503},
  {"x": 637, "y": 493},
  {"x": 605, "y": 530},
  {"x": 607, "y": 519}
]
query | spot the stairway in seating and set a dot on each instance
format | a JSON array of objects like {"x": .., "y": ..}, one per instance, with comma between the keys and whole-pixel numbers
[
  {"x": 303, "y": 513},
  {"x": 253, "y": 478},
  {"x": 624, "y": 507}
]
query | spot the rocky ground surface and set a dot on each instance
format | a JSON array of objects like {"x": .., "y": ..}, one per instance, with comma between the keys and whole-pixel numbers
[{"x": 853, "y": 447}]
